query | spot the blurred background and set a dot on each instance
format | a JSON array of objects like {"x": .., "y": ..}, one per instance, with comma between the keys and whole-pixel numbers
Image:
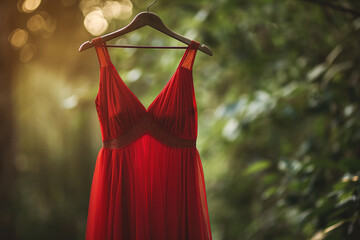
[{"x": 278, "y": 105}]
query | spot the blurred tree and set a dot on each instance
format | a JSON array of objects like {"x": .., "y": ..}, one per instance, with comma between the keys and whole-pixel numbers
[{"x": 7, "y": 136}]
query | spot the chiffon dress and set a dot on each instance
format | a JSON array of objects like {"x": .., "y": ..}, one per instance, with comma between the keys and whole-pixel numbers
[{"x": 148, "y": 182}]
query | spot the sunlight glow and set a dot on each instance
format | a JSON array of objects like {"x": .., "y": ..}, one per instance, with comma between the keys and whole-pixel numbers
[{"x": 68, "y": 3}]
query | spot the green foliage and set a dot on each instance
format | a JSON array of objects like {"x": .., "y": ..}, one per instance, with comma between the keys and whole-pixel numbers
[
  {"x": 292, "y": 99},
  {"x": 257, "y": 167}
]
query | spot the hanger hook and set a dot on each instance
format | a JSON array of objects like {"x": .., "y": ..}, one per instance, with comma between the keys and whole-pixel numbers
[{"x": 151, "y": 5}]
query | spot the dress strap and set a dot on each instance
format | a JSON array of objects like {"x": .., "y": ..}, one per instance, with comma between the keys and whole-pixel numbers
[
  {"x": 101, "y": 51},
  {"x": 189, "y": 57}
]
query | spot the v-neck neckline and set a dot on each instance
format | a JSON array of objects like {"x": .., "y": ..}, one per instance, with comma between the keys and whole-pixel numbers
[{"x": 134, "y": 95}]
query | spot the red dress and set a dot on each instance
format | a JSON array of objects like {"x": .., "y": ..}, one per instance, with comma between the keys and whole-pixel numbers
[{"x": 148, "y": 182}]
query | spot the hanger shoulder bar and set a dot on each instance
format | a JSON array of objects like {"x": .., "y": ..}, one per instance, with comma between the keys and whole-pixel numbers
[{"x": 140, "y": 20}]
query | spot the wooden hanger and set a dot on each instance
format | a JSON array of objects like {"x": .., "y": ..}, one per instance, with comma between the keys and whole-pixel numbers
[{"x": 140, "y": 20}]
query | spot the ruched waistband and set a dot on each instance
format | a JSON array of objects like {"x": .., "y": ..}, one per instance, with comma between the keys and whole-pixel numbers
[{"x": 146, "y": 124}]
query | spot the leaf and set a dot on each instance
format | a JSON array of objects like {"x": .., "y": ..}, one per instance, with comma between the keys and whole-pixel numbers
[
  {"x": 257, "y": 167},
  {"x": 336, "y": 68},
  {"x": 316, "y": 71},
  {"x": 333, "y": 54}
]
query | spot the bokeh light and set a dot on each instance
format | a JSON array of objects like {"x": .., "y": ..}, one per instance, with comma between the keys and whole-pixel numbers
[
  {"x": 111, "y": 9},
  {"x": 18, "y": 37},
  {"x": 29, "y": 6},
  {"x": 50, "y": 22},
  {"x": 117, "y": 10},
  {"x": 99, "y": 15},
  {"x": 70, "y": 102},
  {"x": 27, "y": 52},
  {"x": 36, "y": 23},
  {"x": 95, "y": 23},
  {"x": 42, "y": 23}
]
